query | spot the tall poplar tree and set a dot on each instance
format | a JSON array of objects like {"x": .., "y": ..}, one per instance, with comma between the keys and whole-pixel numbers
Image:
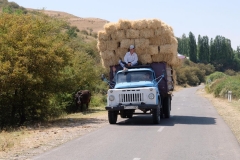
[{"x": 192, "y": 48}]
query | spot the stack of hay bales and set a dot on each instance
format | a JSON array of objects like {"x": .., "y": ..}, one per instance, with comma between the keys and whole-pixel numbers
[{"x": 153, "y": 39}]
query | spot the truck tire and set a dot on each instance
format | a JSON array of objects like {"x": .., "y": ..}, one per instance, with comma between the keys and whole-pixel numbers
[
  {"x": 161, "y": 112},
  {"x": 129, "y": 115},
  {"x": 156, "y": 114},
  {"x": 167, "y": 106},
  {"x": 112, "y": 117},
  {"x": 123, "y": 114}
]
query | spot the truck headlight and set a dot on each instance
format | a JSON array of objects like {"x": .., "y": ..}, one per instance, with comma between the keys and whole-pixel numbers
[
  {"x": 151, "y": 96},
  {"x": 111, "y": 98}
]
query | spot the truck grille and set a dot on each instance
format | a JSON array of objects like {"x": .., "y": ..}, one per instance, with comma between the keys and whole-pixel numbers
[{"x": 131, "y": 98}]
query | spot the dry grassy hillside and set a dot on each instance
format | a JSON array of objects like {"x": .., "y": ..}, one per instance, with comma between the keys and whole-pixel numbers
[{"x": 96, "y": 24}]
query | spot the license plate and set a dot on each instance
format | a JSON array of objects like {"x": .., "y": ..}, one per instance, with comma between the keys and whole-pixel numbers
[{"x": 130, "y": 107}]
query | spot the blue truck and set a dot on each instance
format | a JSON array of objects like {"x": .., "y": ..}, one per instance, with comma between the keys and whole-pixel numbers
[{"x": 146, "y": 88}]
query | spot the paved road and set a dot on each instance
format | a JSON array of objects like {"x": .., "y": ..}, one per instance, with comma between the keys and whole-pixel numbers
[{"x": 194, "y": 132}]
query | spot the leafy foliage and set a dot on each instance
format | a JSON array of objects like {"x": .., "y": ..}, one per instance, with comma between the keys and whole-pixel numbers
[
  {"x": 193, "y": 74},
  {"x": 222, "y": 83}
]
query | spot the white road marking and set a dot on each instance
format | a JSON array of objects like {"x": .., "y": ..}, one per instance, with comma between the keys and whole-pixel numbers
[
  {"x": 136, "y": 158},
  {"x": 160, "y": 129},
  {"x": 178, "y": 108}
]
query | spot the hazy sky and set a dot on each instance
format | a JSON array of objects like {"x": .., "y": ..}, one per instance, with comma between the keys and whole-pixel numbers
[{"x": 201, "y": 17}]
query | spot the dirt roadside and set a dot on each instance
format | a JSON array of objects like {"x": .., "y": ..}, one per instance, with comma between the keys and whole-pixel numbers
[{"x": 37, "y": 139}]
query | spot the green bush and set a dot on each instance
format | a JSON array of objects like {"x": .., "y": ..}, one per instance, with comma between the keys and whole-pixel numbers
[
  {"x": 221, "y": 84},
  {"x": 214, "y": 76}
]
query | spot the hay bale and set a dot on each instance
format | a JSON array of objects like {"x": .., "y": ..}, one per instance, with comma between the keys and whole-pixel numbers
[
  {"x": 110, "y": 28},
  {"x": 141, "y": 43},
  {"x": 112, "y": 45},
  {"x": 139, "y": 25},
  {"x": 123, "y": 24},
  {"x": 104, "y": 63},
  {"x": 141, "y": 51},
  {"x": 120, "y": 52},
  {"x": 166, "y": 29},
  {"x": 165, "y": 57},
  {"x": 168, "y": 48},
  {"x": 106, "y": 55},
  {"x": 145, "y": 58},
  {"x": 118, "y": 35},
  {"x": 156, "y": 40},
  {"x": 146, "y": 33},
  {"x": 158, "y": 32},
  {"x": 165, "y": 39},
  {"x": 132, "y": 33},
  {"x": 152, "y": 49},
  {"x": 174, "y": 40},
  {"x": 103, "y": 36},
  {"x": 125, "y": 43},
  {"x": 154, "y": 24},
  {"x": 102, "y": 46}
]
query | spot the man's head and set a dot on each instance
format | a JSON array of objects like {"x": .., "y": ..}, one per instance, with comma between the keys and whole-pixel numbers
[{"x": 131, "y": 48}]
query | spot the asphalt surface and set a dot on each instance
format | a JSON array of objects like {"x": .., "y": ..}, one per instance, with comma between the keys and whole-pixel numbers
[{"x": 193, "y": 132}]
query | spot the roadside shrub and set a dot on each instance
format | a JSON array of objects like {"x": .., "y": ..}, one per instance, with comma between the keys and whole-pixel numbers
[
  {"x": 230, "y": 72},
  {"x": 214, "y": 76}
]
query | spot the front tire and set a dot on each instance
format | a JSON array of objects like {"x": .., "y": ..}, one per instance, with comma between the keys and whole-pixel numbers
[
  {"x": 112, "y": 117},
  {"x": 156, "y": 114}
]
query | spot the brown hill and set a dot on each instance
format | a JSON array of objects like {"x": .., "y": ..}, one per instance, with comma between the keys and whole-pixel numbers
[{"x": 93, "y": 24}]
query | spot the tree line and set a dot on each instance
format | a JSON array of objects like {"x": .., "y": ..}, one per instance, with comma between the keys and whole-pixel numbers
[{"x": 217, "y": 51}]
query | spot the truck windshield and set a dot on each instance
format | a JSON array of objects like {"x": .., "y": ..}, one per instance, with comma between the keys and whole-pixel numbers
[{"x": 134, "y": 76}]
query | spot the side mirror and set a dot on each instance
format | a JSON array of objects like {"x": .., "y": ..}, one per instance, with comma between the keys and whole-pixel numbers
[{"x": 103, "y": 77}]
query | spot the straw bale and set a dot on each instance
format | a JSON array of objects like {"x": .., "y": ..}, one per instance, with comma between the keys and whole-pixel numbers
[
  {"x": 132, "y": 33},
  {"x": 152, "y": 49},
  {"x": 125, "y": 43},
  {"x": 174, "y": 77},
  {"x": 165, "y": 39},
  {"x": 108, "y": 54},
  {"x": 123, "y": 24},
  {"x": 105, "y": 65},
  {"x": 166, "y": 29},
  {"x": 140, "y": 24},
  {"x": 112, "y": 45},
  {"x": 110, "y": 28},
  {"x": 168, "y": 48},
  {"x": 157, "y": 58},
  {"x": 103, "y": 36},
  {"x": 141, "y": 51},
  {"x": 156, "y": 40},
  {"x": 154, "y": 24},
  {"x": 102, "y": 46},
  {"x": 141, "y": 43},
  {"x": 120, "y": 52},
  {"x": 174, "y": 40},
  {"x": 177, "y": 63},
  {"x": 158, "y": 32},
  {"x": 146, "y": 33},
  {"x": 118, "y": 35},
  {"x": 145, "y": 58}
]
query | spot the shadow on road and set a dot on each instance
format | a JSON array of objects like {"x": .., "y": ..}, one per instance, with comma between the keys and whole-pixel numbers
[{"x": 188, "y": 120}]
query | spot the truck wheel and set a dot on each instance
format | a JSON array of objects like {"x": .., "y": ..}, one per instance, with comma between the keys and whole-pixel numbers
[
  {"x": 161, "y": 112},
  {"x": 129, "y": 115},
  {"x": 167, "y": 106},
  {"x": 112, "y": 117},
  {"x": 156, "y": 114},
  {"x": 123, "y": 114}
]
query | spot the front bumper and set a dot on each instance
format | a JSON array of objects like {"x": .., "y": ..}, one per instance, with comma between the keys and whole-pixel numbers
[{"x": 122, "y": 107}]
